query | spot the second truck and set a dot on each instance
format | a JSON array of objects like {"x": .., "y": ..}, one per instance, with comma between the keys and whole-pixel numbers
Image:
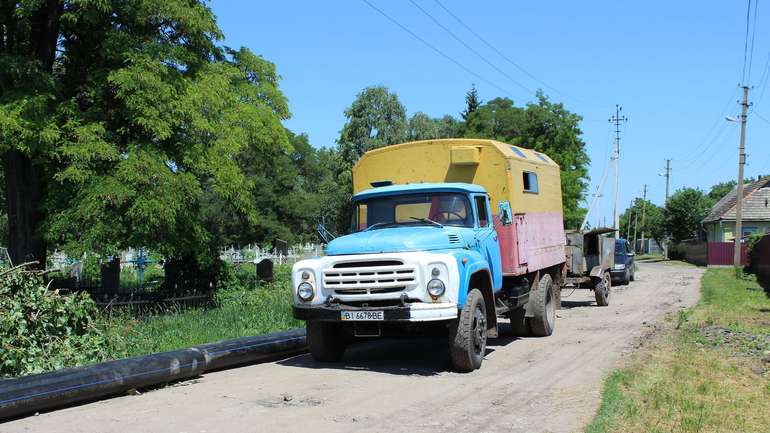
[{"x": 447, "y": 236}]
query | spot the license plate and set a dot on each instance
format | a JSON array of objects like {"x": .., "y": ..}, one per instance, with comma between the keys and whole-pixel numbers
[{"x": 363, "y": 316}]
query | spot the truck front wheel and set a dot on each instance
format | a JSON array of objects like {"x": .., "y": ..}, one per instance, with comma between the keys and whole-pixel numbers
[
  {"x": 325, "y": 340},
  {"x": 543, "y": 307},
  {"x": 468, "y": 334}
]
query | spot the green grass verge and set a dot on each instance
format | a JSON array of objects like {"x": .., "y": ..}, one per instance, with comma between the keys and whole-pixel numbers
[
  {"x": 688, "y": 381},
  {"x": 239, "y": 312},
  {"x": 654, "y": 256}
]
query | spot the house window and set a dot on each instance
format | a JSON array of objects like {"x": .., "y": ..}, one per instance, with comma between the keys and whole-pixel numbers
[
  {"x": 530, "y": 182},
  {"x": 481, "y": 208},
  {"x": 748, "y": 231}
]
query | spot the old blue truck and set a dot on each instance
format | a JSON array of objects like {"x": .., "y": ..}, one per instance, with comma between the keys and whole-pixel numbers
[{"x": 433, "y": 257}]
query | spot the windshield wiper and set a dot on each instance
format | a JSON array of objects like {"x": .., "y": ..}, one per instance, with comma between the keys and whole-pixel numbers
[
  {"x": 380, "y": 224},
  {"x": 428, "y": 220}
]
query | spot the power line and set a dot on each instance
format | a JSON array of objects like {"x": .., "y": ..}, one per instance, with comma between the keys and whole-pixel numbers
[
  {"x": 493, "y": 48},
  {"x": 708, "y": 136},
  {"x": 746, "y": 44},
  {"x": 763, "y": 80},
  {"x": 753, "y": 32},
  {"x": 705, "y": 151},
  {"x": 438, "y": 51},
  {"x": 471, "y": 49}
]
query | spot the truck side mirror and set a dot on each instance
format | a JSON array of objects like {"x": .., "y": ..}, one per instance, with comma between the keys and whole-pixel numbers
[{"x": 504, "y": 212}]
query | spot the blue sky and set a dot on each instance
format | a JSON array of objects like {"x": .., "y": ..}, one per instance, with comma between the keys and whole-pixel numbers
[{"x": 675, "y": 68}]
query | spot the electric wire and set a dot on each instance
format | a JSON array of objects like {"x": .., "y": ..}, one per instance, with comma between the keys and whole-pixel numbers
[
  {"x": 497, "y": 51},
  {"x": 746, "y": 43},
  {"x": 704, "y": 142},
  {"x": 763, "y": 81},
  {"x": 435, "y": 49},
  {"x": 753, "y": 32},
  {"x": 692, "y": 162},
  {"x": 471, "y": 49}
]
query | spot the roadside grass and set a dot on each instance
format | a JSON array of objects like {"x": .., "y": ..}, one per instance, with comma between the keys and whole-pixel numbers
[
  {"x": 708, "y": 371},
  {"x": 239, "y": 312},
  {"x": 652, "y": 256}
]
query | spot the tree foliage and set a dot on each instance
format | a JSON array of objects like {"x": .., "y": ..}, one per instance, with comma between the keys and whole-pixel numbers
[
  {"x": 42, "y": 330},
  {"x": 136, "y": 122},
  {"x": 472, "y": 102},
  {"x": 376, "y": 118},
  {"x": 720, "y": 190},
  {"x": 684, "y": 212},
  {"x": 644, "y": 217},
  {"x": 424, "y": 127}
]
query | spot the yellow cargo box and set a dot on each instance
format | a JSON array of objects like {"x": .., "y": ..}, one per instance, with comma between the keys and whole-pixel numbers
[{"x": 530, "y": 180}]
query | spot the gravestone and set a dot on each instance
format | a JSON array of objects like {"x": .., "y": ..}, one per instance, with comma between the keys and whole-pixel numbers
[
  {"x": 110, "y": 276},
  {"x": 265, "y": 270},
  {"x": 281, "y": 247}
]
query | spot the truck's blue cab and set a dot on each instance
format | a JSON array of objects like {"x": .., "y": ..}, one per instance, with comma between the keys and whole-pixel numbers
[{"x": 419, "y": 253}]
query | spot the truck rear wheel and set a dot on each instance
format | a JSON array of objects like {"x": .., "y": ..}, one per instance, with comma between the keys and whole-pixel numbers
[
  {"x": 602, "y": 287},
  {"x": 543, "y": 307},
  {"x": 468, "y": 334},
  {"x": 325, "y": 340}
]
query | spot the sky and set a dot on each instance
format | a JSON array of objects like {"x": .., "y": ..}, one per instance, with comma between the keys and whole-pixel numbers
[{"x": 674, "y": 67}]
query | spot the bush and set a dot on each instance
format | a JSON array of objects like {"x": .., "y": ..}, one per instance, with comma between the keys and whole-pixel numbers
[{"x": 42, "y": 330}]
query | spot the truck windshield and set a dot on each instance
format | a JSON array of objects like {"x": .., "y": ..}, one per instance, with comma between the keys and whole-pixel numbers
[{"x": 449, "y": 209}]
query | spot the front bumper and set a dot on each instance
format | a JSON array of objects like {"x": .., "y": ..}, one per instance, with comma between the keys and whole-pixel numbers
[{"x": 414, "y": 312}]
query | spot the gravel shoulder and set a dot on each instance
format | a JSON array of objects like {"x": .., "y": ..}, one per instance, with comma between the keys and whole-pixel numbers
[{"x": 548, "y": 384}]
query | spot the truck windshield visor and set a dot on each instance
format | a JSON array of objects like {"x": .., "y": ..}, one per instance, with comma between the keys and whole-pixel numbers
[{"x": 449, "y": 209}]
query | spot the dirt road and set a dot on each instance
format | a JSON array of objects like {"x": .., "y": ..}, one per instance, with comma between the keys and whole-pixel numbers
[{"x": 525, "y": 385}]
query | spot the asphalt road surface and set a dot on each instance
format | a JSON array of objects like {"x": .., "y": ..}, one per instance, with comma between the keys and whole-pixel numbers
[{"x": 550, "y": 384}]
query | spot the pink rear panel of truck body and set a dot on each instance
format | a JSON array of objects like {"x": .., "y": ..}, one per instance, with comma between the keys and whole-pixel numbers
[{"x": 532, "y": 242}]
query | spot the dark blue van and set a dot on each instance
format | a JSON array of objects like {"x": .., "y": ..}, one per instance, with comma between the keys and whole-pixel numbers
[{"x": 623, "y": 269}]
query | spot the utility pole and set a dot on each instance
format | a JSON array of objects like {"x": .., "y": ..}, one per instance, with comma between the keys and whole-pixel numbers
[
  {"x": 617, "y": 119},
  {"x": 628, "y": 222},
  {"x": 636, "y": 226},
  {"x": 644, "y": 214},
  {"x": 739, "y": 199},
  {"x": 668, "y": 176}
]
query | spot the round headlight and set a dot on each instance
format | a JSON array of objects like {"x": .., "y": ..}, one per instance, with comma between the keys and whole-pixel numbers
[
  {"x": 305, "y": 292},
  {"x": 436, "y": 288}
]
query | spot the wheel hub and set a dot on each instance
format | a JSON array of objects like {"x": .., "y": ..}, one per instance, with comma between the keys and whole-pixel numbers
[{"x": 479, "y": 330}]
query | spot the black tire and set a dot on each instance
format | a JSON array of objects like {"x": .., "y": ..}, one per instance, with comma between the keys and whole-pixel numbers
[
  {"x": 631, "y": 278},
  {"x": 468, "y": 334},
  {"x": 325, "y": 340},
  {"x": 602, "y": 286},
  {"x": 626, "y": 278},
  {"x": 543, "y": 308},
  {"x": 519, "y": 323}
]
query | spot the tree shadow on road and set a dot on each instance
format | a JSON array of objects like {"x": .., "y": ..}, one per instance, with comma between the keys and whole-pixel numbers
[{"x": 415, "y": 356}]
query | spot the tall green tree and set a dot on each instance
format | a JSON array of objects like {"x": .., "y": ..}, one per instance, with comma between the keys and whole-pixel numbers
[
  {"x": 424, "y": 127},
  {"x": 546, "y": 127},
  {"x": 720, "y": 190},
  {"x": 472, "y": 102},
  {"x": 684, "y": 212},
  {"x": 376, "y": 118},
  {"x": 120, "y": 120}
]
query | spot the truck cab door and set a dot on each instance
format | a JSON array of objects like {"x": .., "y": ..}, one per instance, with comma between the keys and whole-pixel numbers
[{"x": 486, "y": 238}]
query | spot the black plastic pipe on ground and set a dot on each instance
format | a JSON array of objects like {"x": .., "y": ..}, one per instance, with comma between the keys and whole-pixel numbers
[{"x": 39, "y": 392}]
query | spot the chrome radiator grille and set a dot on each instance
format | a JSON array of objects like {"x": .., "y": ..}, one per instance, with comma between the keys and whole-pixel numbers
[{"x": 369, "y": 277}]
